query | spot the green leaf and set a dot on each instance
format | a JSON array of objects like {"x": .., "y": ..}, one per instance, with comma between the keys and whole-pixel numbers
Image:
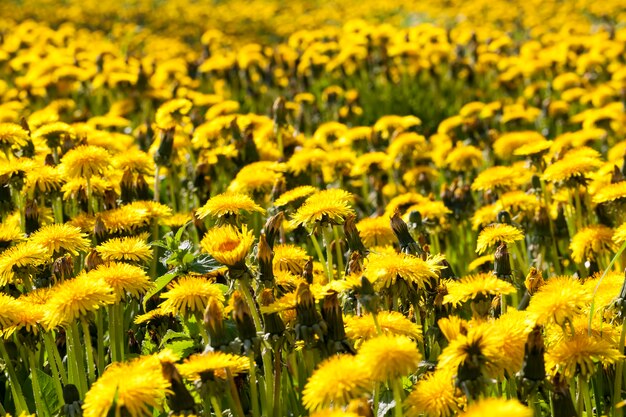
[
  {"x": 148, "y": 347},
  {"x": 160, "y": 283},
  {"x": 183, "y": 347},
  {"x": 171, "y": 335},
  {"x": 48, "y": 393}
]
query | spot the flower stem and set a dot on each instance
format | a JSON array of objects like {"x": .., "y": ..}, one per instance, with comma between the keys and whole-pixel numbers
[
  {"x": 244, "y": 287},
  {"x": 100, "y": 347},
  {"x": 320, "y": 254},
  {"x": 91, "y": 366},
  {"x": 40, "y": 405},
  {"x": 328, "y": 238},
  {"x": 340, "y": 264},
  {"x": 397, "y": 397},
  {"x": 54, "y": 357},
  {"x": 619, "y": 370},
  {"x": 234, "y": 395},
  {"x": 75, "y": 355},
  {"x": 595, "y": 291},
  {"x": 254, "y": 394},
  {"x": 16, "y": 387}
]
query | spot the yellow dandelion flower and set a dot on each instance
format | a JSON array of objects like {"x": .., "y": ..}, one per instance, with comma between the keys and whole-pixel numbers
[
  {"x": 61, "y": 237},
  {"x": 619, "y": 236},
  {"x": 335, "y": 382},
  {"x": 506, "y": 144},
  {"x": 533, "y": 148},
  {"x": 9, "y": 233},
  {"x": 44, "y": 179},
  {"x": 75, "y": 297},
  {"x": 22, "y": 255},
  {"x": 9, "y": 311},
  {"x": 131, "y": 248},
  {"x": 376, "y": 231},
  {"x": 138, "y": 387},
  {"x": 170, "y": 113},
  {"x": 294, "y": 195},
  {"x": 12, "y": 135},
  {"x": 571, "y": 167},
  {"x": 228, "y": 204},
  {"x": 500, "y": 176},
  {"x": 327, "y": 206},
  {"x": 153, "y": 209},
  {"x": 190, "y": 295},
  {"x": 480, "y": 261},
  {"x": 214, "y": 363},
  {"x": 497, "y": 407},
  {"x": 227, "y": 244},
  {"x": 464, "y": 158},
  {"x": 256, "y": 177},
  {"x": 434, "y": 396},
  {"x": 335, "y": 413},
  {"x": 389, "y": 357},
  {"x": 592, "y": 241},
  {"x": 475, "y": 286},
  {"x": 29, "y": 315},
  {"x": 477, "y": 342},
  {"x": 150, "y": 315},
  {"x": 390, "y": 322},
  {"x": 512, "y": 329},
  {"x": 385, "y": 268},
  {"x": 85, "y": 161},
  {"x": 291, "y": 258},
  {"x": 580, "y": 354},
  {"x": 125, "y": 218},
  {"x": 123, "y": 278},
  {"x": 134, "y": 160},
  {"x": 495, "y": 234},
  {"x": 53, "y": 132},
  {"x": 370, "y": 161},
  {"x": 558, "y": 300},
  {"x": 610, "y": 192}
]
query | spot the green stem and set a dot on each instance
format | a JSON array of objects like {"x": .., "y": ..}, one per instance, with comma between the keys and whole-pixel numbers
[
  {"x": 54, "y": 356},
  {"x": 320, "y": 255},
  {"x": 42, "y": 409},
  {"x": 75, "y": 354},
  {"x": 100, "y": 343},
  {"x": 216, "y": 406},
  {"x": 91, "y": 366},
  {"x": 595, "y": 291},
  {"x": 16, "y": 387},
  {"x": 238, "y": 410},
  {"x": 340, "y": 263},
  {"x": 277, "y": 379},
  {"x": 619, "y": 370},
  {"x": 113, "y": 346},
  {"x": 328, "y": 238},
  {"x": 584, "y": 387},
  {"x": 56, "y": 375},
  {"x": 119, "y": 327},
  {"x": 397, "y": 396},
  {"x": 244, "y": 287}
]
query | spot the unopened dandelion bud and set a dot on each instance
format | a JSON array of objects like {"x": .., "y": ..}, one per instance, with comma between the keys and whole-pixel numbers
[
  {"x": 179, "y": 400},
  {"x": 562, "y": 402},
  {"x": 332, "y": 315},
  {"x": 279, "y": 112},
  {"x": 309, "y": 323},
  {"x": 534, "y": 280},
  {"x": 127, "y": 186},
  {"x": 163, "y": 155},
  {"x": 63, "y": 267},
  {"x": 273, "y": 324},
  {"x": 368, "y": 297},
  {"x": 278, "y": 188},
  {"x": 142, "y": 190},
  {"x": 307, "y": 271},
  {"x": 99, "y": 229},
  {"x": 244, "y": 322},
  {"x": 214, "y": 323},
  {"x": 534, "y": 366},
  {"x": 31, "y": 212},
  {"x": 355, "y": 264},
  {"x": 502, "y": 262},
  {"x": 617, "y": 175},
  {"x": 272, "y": 228},
  {"x": 265, "y": 256},
  {"x": 73, "y": 406},
  {"x": 504, "y": 217},
  {"x": 355, "y": 244},
  {"x": 93, "y": 260},
  {"x": 401, "y": 230}
]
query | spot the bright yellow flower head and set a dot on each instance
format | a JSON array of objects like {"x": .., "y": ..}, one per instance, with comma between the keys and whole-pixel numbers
[
  {"x": 123, "y": 278},
  {"x": 335, "y": 381},
  {"x": 475, "y": 286},
  {"x": 495, "y": 234},
  {"x": 85, "y": 161},
  {"x": 294, "y": 194},
  {"x": 376, "y": 231},
  {"x": 592, "y": 241},
  {"x": 57, "y": 237},
  {"x": 215, "y": 363},
  {"x": 228, "y": 204},
  {"x": 137, "y": 386},
  {"x": 327, "y": 206},
  {"x": 559, "y": 300},
  {"x": 22, "y": 255},
  {"x": 389, "y": 357},
  {"x": 497, "y": 407},
  {"x": 390, "y": 322},
  {"x": 384, "y": 269},
  {"x": 228, "y": 245},
  {"x": 190, "y": 295},
  {"x": 131, "y": 248},
  {"x": 12, "y": 134},
  {"x": 434, "y": 396},
  {"x": 581, "y": 353}
]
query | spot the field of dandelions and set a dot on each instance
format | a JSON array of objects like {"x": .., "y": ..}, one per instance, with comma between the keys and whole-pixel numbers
[{"x": 289, "y": 208}]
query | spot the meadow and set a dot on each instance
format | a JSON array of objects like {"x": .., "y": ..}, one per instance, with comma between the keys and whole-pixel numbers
[{"x": 307, "y": 208}]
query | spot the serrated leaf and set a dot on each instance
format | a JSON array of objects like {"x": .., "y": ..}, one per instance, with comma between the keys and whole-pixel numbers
[
  {"x": 48, "y": 393},
  {"x": 182, "y": 347},
  {"x": 160, "y": 283},
  {"x": 203, "y": 264},
  {"x": 172, "y": 335}
]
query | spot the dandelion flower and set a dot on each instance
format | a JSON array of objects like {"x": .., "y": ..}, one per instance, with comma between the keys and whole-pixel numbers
[
  {"x": 123, "y": 278},
  {"x": 385, "y": 269},
  {"x": 558, "y": 300},
  {"x": 58, "y": 237},
  {"x": 44, "y": 179},
  {"x": 497, "y": 407},
  {"x": 376, "y": 231},
  {"x": 74, "y": 298},
  {"x": 327, "y": 206},
  {"x": 335, "y": 382},
  {"x": 190, "y": 295},
  {"x": 228, "y": 204},
  {"x": 495, "y": 234},
  {"x": 137, "y": 387},
  {"x": 434, "y": 396},
  {"x": 227, "y": 244},
  {"x": 390, "y": 322},
  {"x": 214, "y": 363},
  {"x": 295, "y": 194},
  {"x": 475, "y": 286},
  {"x": 464, "y": 158},
  {"x": 610, "y": 192},
  {"x": 499, "y": 176},
  {"x": 478, "y": 346},
  {"x": 570, "y": 168},
  {"x": 9, "y": 311},
  {"x": 131, "y": 248},
  {"x": 592, "y": 241},
  {"x": 22, "y": 255},
  {"x": 581, "y": 353},
  {"x": 85, "y": 161},
  {"x": 288, "y": 257},
  {"x": 12, "y": 135},
  {"x": 389, "y": 357}
]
